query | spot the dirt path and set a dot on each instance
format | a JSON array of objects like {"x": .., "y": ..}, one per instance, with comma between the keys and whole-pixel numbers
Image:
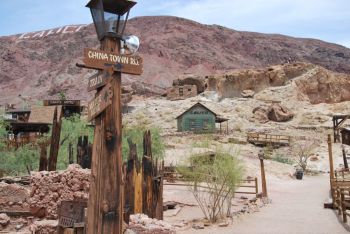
[{"x": 297, "y": 207}]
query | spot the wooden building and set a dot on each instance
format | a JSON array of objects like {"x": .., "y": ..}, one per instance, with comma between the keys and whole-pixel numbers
[
  {"x": 345, "y": 136},
  {"x": 199, "y": 119}
]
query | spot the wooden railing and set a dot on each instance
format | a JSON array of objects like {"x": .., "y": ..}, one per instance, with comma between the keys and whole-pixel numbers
[
  {"x": 264, "y": 139},
  {"x": 20, "y": 142},
  {"x": 173, "y": 178},
  {"x": 340, "y": 188}
]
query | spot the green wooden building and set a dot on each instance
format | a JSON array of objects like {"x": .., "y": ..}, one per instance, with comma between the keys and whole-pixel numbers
[{"x": 199, "y": 119}]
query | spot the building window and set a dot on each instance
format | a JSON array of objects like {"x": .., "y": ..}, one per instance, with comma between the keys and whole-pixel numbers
[
  {"x": 181, "y": 91},
  {"x": 189, "y": 90}
]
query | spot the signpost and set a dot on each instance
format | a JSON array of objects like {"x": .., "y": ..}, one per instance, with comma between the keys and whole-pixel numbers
[
  {"x": 99, "y": 80},
  {"x": 100, "y": 102},
  {"x": 98, "y": 59}
]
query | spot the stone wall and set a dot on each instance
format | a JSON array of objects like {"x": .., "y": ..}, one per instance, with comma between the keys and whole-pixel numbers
[
  {"x": 175, "y": 93},
  {"x": 49, "y": 189}
]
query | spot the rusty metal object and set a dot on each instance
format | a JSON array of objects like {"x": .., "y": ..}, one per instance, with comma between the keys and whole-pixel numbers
[
  {"x": 99, "y": 59},
  {"x": 71, "y": 212}
]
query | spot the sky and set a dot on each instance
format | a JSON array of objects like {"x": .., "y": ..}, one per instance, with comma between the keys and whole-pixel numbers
[{"x": 328, "y": 20}]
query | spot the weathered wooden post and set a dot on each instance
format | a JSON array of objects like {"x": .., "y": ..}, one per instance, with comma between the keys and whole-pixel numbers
[
  {"x": 105, "y": 205},
  {"x": 70, "y": 153},
  {"x": 263, "y": 178},
  {"x": 55, "y": 140},
  {"x": 43, "y": 157},
  {"x": 346, "y": 165},
  {"x": 331, "y": 168}
]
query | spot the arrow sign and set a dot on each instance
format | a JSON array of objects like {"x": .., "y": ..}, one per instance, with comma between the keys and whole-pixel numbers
[
  {"x": 99, "y": 59},
  {"x": 100, "y": 102},
  {"x": 99, "y": 79}
]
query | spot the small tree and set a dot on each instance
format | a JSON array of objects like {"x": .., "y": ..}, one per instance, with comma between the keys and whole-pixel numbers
[
  {"x": 302, "y": 151},
  {"x": 213, "y": 180},
  {"x": 62, "y": 96}
]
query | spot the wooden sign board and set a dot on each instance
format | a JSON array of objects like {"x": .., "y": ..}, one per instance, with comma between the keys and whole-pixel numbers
[
  {"x": 61, "y": 102},
  {"x": 99, "y": 79},
  {"x": 100, "y": 103},
  {"x": 99, "y": 59}
]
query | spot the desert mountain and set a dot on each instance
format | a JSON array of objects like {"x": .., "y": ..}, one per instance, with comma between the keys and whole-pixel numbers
[{"x": 41, "y": 64}]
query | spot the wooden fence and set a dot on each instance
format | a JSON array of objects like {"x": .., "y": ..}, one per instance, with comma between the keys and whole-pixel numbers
[
  {"x": 21, "y": 141},
  {"x": 173, "y": 178},
  {"x": 267, "y": 139},
  {"x": 340, "y": 189}
]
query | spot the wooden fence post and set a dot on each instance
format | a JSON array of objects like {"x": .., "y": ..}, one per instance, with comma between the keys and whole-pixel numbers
[
  {"x": 147, "y": 175},
  {"x": 55, "y": 140},
  {"x": 129, "y": 180},
  {"x": 43, "y": 157},
  {"x": 70, "y": 153}
]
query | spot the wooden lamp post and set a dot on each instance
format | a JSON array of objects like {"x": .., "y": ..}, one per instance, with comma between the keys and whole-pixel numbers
[
  {"x": 105, "y": 205},
  {"x": 263, "y": 178}
]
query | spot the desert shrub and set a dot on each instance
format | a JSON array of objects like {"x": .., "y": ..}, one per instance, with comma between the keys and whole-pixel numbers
[
  {"x": 213, "y": 180},
  {"x": 19, "y": 161},
  {"x": 302, "y": 151}
]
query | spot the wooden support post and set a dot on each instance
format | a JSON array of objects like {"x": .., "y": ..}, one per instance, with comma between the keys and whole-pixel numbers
[
  {"x": 256, "y": 187},
  {"x": 263, "y": 179},
  {"x": 43, "y": 157},
  {"x": 55, "y": 140},
  {"x": 343, "y": 205},
  {"x": 105, "y": 205},
  {"x": 331, "y": 168},
  {"x": 70, "y": 153},
  {"x": 346, "y": 165},
  {"x": 129, "y": 181},
  {"x": 147, "y": 168}
]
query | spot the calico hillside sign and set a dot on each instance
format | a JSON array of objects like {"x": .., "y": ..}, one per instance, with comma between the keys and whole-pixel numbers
[{"x": 99, "y": 59}]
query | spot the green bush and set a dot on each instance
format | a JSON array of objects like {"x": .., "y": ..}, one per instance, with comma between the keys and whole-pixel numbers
[
  {"x": 213, "y": 181},
  {"x": 135, "y": 133}
]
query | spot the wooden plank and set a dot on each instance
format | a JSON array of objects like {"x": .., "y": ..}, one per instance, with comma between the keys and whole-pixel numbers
[
  {"x": 127, "y": 64},
  {"x": 100, "y": 102},
  {"x": 61, "y": 102},
  {"x": 100, "y": 79}
]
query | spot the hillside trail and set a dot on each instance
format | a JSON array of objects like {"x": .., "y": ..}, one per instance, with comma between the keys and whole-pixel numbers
[{"x": 297, "y": 207}]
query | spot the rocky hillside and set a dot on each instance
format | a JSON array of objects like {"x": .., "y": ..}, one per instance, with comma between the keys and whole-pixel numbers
[{"x": 41, "y": 64}]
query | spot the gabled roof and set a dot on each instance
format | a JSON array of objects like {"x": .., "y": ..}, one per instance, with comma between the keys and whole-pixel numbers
[{"x": 197, "y": 104}]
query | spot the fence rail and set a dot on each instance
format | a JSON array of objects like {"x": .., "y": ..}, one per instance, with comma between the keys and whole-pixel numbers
[
  {"x": 172, "y": 176},
  {"x": 264, "y": 139}
]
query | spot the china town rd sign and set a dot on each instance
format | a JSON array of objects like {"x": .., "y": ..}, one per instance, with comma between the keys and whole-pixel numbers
[{"x": 99, "y": 59}]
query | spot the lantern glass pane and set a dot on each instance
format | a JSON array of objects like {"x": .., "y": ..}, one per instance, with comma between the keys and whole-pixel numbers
[
  {"x": 97, "y": 13},
  {"x": 111, "y": 22}
]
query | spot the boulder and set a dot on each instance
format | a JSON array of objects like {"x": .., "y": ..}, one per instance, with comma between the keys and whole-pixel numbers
[
  {"x": 279, "y": 113},
  {"x": 4, "y": 220},
  {"x": 275, "y": 112},
  {"x": 248, "y": 93}
]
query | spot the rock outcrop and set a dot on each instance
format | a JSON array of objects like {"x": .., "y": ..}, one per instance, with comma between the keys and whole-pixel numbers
[{"x": 275, "y": 112}]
